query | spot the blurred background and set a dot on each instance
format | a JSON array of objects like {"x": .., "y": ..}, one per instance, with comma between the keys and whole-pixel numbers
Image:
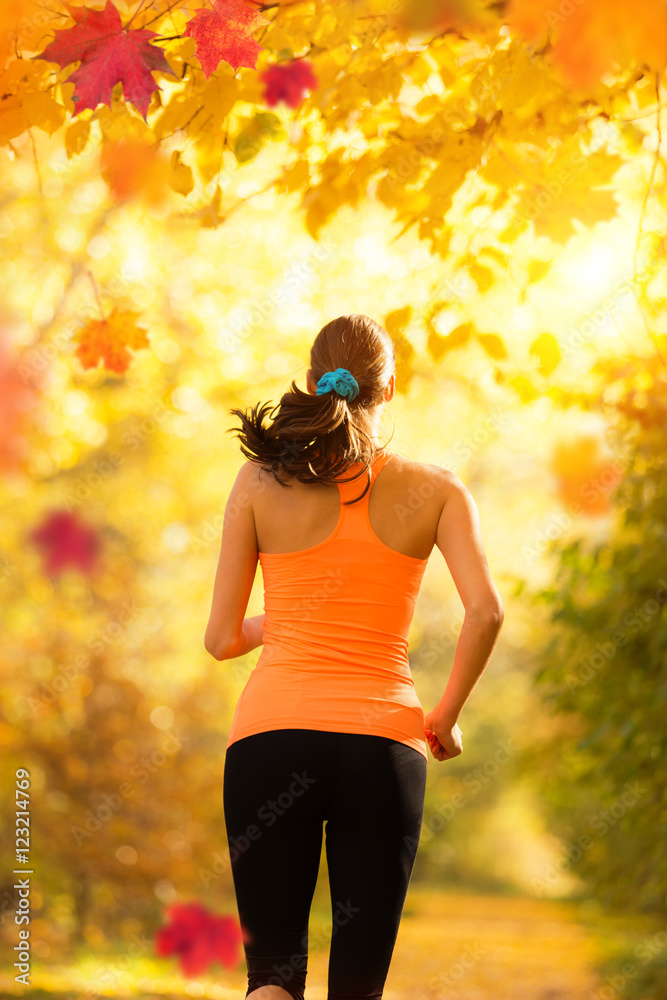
[{"x": 487, "y": 181}]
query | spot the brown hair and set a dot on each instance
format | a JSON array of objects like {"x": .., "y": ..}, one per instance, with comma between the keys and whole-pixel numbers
[{"x": 316, "y": 438}]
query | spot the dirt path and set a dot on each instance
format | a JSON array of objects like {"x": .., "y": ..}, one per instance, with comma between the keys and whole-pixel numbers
[
  {"x": 449, "y": 947},
  {"x": 483, "y": 948}
]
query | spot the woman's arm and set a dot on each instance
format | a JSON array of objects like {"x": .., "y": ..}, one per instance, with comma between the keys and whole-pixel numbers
[
  {"x": 229, "y": 633},
  {"x": 252, "y": 636},
  {"x": 459, "y": 538}
]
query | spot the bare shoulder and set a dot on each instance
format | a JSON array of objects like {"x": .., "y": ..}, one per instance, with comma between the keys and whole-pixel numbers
[
  {"x": 250, "y": 477},
  {"x": 427, "y": 479}
]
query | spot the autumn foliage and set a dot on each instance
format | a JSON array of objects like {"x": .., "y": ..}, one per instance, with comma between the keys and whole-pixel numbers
[{"x": 186, "y": 183}]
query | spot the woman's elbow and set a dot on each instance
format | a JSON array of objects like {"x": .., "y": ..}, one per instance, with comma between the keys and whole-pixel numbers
[
  {"x": 217, "y": 651},
  {"x": 496, "y": 614},
  {"x": 488, "y": 616}
]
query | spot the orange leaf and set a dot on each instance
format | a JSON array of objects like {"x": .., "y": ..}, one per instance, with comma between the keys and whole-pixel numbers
[
  {"x": 426, "y": 15},
  {"x": 108, "y": 340},
  {"x": 586, "y": 473},
  {"x": 592, "y": 38},
  {"x": 17, "y": 400},
  {"x": 131, "y": 166},
  {"x": 15, "y": 18}
]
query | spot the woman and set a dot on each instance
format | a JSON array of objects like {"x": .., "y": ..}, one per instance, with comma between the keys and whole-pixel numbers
[{"x": 329, "y": 729}]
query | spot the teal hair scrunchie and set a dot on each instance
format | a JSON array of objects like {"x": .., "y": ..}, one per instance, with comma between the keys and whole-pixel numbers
[{"x": 341, "y": 381}]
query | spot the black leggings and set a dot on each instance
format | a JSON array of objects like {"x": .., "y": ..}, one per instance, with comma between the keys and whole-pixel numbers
[{"x": 279, "y": 788}]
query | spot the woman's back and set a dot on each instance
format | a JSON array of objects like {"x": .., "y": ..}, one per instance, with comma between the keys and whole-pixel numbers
[
  {"x": 405, "y": 506},
  {"x": 340, "y": 585}
]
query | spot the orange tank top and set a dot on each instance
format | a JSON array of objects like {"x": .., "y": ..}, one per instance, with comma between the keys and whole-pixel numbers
[{"x": 337, "y": 618}]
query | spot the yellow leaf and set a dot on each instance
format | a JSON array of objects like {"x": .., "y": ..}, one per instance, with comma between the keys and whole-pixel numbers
[
  {"x": 493, "y": 345},
  {"x": 429, "y": 104},
  {"x": 524, "y": 388},
  {"x": 418, "y": 69},
  {"x": 633, "y": 137},
  {"x": 460, "y": 334},
  {"x": 586, "y": 205},
  {"x": 320, "y": 203},
  {"x": 276, "y": 37},
  {"x": 439, "y": 345},
  {"x": 495, "y": 254},
  {"x": 220, "y": 95},
  {"x": 209, "y": 145},
  {"x": 43, "y": 111},
  {"x": 296, "y": 176},
  {"x": 546, "y": 349},
  {"x": 458, "y": 155},
  {"x": 537, "y": 270},
  {"x": 263, "y": 127},
  {"x": 76, "y": 138},
  {"x": 500, "y": 170},
  {"x": 396, "y": 321},
  {"x": 569, "y": 188},
  {"x": 13, "y": 121},
  {"x": 178, "y": 113},
  {"x": 116, "y": 124},
  {"x": 180, "y": 175},
  {"x": 435, "y": 342},
  {"x": 522, "y": 91},
  {"x": 211, "y": 217},
  {"x": 482, "y": 276}
]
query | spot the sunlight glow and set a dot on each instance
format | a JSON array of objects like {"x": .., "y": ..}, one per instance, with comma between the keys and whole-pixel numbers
[
  {"x": 372, "y": 253},
  {"x": 523, "y": 318},
  {"x": 595, "y": 268}
]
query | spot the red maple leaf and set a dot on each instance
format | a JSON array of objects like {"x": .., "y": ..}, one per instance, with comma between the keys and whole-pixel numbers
[
  {"x": 288, "y": 82},
  {"x": 65, "y": 541},
  {"x": 199, "y": 937},
  {"x": 109, "y": 54},
  {"x": 225, "y": 33}
]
